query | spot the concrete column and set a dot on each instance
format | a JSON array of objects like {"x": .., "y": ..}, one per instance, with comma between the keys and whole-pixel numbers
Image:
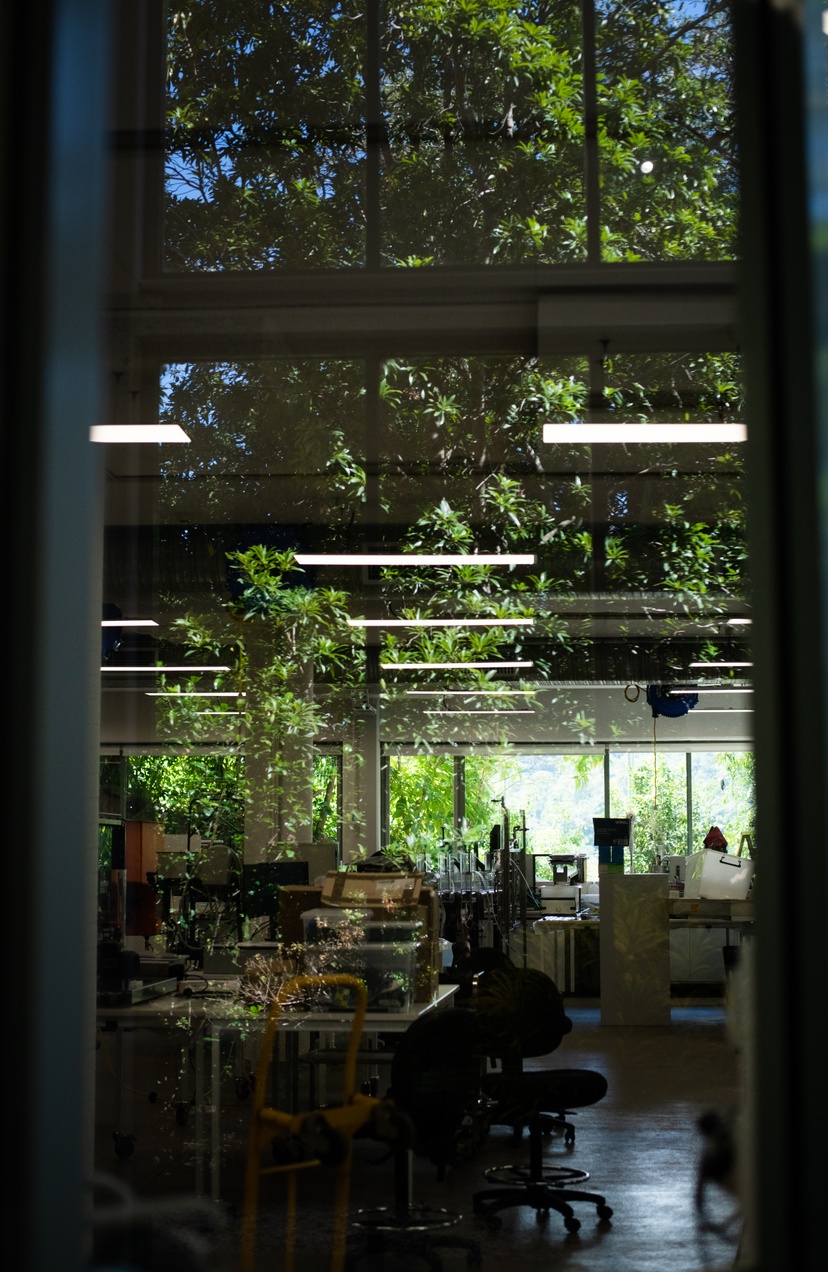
[
  {"x": 361, "y": 802},
  {"x": 279, "y": 774}
]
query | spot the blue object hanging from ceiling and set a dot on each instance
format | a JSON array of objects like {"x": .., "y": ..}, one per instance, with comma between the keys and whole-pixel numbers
[{"x": 674, "y": 704}]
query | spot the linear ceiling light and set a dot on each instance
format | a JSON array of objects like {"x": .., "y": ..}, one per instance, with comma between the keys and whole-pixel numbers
[
  {"x": 451, "y": 666},
  {"x": 440, "y": 622},
  {"x": 128, "y": 622},
  {"x": 468, "y": 693},
  {"x": 704, "y": 689},
  {"x": 412, "y": 558},
  {"x": 219, "y": 713},
  {"x": 738, "y": 622},
  {"x": 721, "y": 664},
  {"x": 158, "y": 671},
  {"x": 723, "y": 711},
  {"x": 129, "y": 434},
  {"x": 180, "y": 693},
  {"x": 480, "y": 711},
  {"x": 621, "y": 433}
]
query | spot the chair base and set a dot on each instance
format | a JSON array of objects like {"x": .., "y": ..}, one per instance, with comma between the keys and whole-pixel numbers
[
  {"x": 418, "y": 1231},
  {"x": 542, "y": 1199},
  {"x": 550, "y": 1124},
  {"x": 552, "y": 1176},
  {"x": 554, "y": 1123}
]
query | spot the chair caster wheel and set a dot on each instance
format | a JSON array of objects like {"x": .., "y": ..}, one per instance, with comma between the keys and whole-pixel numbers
[
  {"x": 572, "y": 1225},
  {"x": 605, "y": 1212},
  {"x": 569, "y": 1137}
]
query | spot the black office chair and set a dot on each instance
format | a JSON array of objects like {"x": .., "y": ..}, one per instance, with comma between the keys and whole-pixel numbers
[
  {"x": 436, "y": 1083},
  {"x": 521, "y": 1015}
]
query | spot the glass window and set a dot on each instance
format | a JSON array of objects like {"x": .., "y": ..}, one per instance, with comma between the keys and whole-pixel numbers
[
  {"x": 666, "y": 130},
  {"x": 482, "y": 135},
  {"x": 652, "y": 790},
  {"x": 265, "y": 160},
  {"x": 326, "y": 137},
  {"x": 724, "y": 795}
]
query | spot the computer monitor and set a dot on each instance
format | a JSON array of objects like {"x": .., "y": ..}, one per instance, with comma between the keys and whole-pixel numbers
[
  {"x": 261, "y": 881},
  {"x": 612, "y": 832}
]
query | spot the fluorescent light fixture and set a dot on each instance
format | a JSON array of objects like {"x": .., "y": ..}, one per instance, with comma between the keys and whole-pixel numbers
[
  {"x": 219, "y": 713},
  {"x": 468, "y": 693},
  {"x": 704, "y": 689},
  {"x": 128, "y": 622},
  {"x": 157, "y": 671},
  {"x": 440, "y": 622},
  {"x": 622, "y": 434},
  {"x": 480, "y": 711},
  {"x": 451, "y": 666},
  {"x": 129, "y": 434},
  {"x": 412, "y": 558},
  {"x": 723, "y": 711},
  {"x": 721, "y": 664},
  {"x": 180, "y": 693},
  {"x": 738, "y": 622}
]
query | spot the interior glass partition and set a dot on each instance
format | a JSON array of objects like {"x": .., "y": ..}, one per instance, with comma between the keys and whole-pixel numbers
[{"x": 391, "y": 250}]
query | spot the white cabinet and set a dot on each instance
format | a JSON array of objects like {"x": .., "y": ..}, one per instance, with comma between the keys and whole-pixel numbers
[{"x": 696, "y": 953}]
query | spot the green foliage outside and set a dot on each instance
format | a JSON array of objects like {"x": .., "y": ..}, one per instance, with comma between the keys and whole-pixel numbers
[
  {"x": 205, "y": 796},
  {"x": 421, "y": 800},
  {"x": 479, "y": 148},
  {"x": 560, "y": 794}
]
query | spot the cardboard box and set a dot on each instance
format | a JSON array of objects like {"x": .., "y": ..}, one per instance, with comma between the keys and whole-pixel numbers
[{"x": 386, "y": 889}]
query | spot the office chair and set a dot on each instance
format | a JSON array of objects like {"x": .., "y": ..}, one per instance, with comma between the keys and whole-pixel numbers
[
  {"x": 473, "y": 967},
  {"x": 521, "y": 1015},
  {"x": 436, "y": 1084}
]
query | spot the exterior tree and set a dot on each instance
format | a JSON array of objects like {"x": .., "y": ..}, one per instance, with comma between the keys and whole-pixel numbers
[{"x": 479, "y": 143}]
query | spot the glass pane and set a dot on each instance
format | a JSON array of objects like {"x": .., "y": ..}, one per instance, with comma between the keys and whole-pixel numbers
[
  {"x": 560, "y": 795},
  {"x": 667, "y": 151},
  {"x": 265, "y": 159},
  {"x": 421, "y": 802},
  {"x": 653, "y": 790},
  {"x": 327, "y": 798},
  {"x": 276, "y": 435},
  {"x": 724, "y": 795},
  {"x": 483, "y": 155}
]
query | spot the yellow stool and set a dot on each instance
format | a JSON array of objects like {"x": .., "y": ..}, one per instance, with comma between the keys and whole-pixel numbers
[{"x": 330, "y": 1129}]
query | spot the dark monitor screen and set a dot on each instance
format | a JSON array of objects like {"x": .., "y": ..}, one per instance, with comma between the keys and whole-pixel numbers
[
  {"x": 611, "y": 832},
  {"x": 261, "y": 881}
]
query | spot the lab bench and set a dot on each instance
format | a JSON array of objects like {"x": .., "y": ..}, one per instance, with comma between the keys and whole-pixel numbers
[{"x": 699, "y": 934}]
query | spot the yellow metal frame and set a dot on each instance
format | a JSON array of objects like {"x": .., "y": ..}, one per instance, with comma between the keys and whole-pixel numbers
[{"x": 266, "y": 1123}]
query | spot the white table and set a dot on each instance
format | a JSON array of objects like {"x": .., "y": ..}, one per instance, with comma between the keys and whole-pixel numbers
[{"x": 205, "y": 1016}]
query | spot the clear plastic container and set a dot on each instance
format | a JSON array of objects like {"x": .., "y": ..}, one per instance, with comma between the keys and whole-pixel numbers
[
  {"x": 388, "y": 931},
  {"x": 332, "y": 924},
  {"x": 387, "y": 970}
]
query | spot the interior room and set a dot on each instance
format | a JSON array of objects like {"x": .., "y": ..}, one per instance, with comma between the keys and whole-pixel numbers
[{"x": 442, "y": 466}]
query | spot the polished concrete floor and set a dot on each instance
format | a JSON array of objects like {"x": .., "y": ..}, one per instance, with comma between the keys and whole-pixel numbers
[{"x": 641, "y": 1146}]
